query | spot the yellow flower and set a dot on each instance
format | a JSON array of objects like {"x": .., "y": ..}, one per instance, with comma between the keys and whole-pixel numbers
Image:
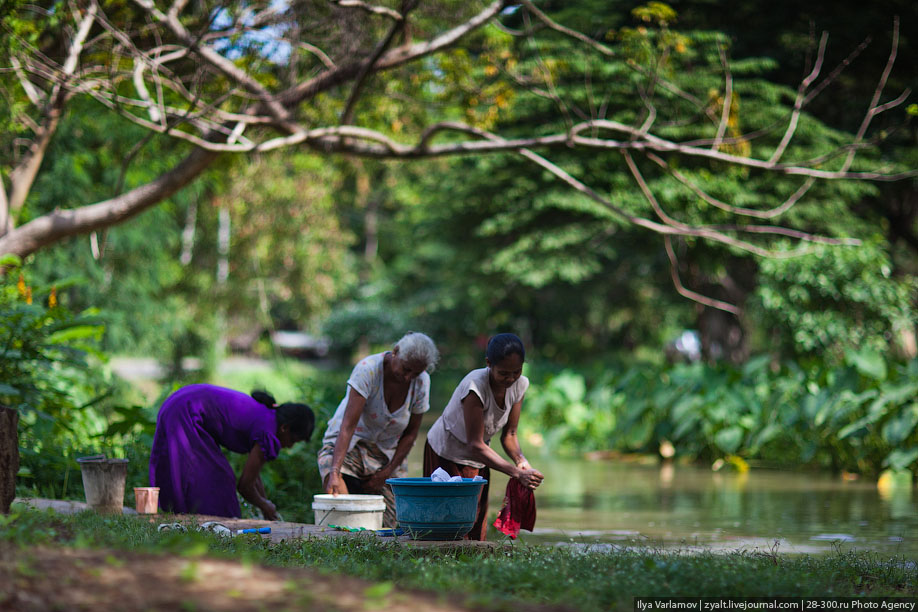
[
  {"x": 21, "y": 286},
  {"x": 28, "y": 295},
  {"x": 52, "y": 299}
]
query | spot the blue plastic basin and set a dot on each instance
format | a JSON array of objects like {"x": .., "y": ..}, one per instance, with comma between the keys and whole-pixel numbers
[{"x": 436, "y": 510}]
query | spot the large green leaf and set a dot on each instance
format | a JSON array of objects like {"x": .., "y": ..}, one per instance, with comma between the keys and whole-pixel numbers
[
  {"x": 729, "y": 439},
  {"x": 901, "y": 459},
  {"x": 856, "y": 426},
  {"x": 686, "y": 408},
  {"x": 868, "y": 362},
  {"x": 768, "y": 433},
  {"x": 6, "y": 389},
  {"x": 685, "y": 425},
  {"x": 898, "y": 428},
  {"x": 74, "y": 333},
  {"x": 571, "y": 384},
  {"x": 10, "y": 260}
]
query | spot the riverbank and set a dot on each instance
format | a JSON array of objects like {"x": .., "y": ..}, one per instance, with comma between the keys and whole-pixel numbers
[
  {"x": 511, "y": 576},
  {"x": 616, "y": 503}
]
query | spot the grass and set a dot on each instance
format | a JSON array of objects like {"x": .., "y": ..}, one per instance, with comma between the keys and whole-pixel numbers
[{"x": 500, "y": 578}]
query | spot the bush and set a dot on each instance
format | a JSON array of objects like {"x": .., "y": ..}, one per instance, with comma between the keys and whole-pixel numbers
[
  {"x": 51, "y": 371},
  {"x": 860, "y": 416}
]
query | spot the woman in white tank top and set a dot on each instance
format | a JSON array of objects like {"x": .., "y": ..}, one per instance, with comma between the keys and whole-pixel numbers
[{"x": 487, "y": 400}]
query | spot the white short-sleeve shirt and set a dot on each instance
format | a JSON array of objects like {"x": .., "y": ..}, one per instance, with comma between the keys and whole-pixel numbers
[
  {"x": 448, "y": 437},
  {"x": 377, "y": 424}
]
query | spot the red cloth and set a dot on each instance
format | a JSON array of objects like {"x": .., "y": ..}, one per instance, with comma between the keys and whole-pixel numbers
[{"x": 519, "y": 511}]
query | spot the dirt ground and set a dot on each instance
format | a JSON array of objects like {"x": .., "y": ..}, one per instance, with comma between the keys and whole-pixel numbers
[
  {"x": 45, "y": 579},
  {"x": 67, "y": 579}
]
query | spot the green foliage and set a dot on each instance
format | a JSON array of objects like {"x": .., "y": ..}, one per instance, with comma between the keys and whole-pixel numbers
[
  {"x": 366, "y": 322},
  {"x": 52, "y": 371},
  {"x": 155, "y": 277},
  {"x": 562, "y": 410},
  {"x": 496, "y": 243},
  {"x": 133, "y": 272},
  {"x": 861, "y": 417},
  {"x": 658, "y": 13},
  {"x": 469, "y": 246},
  {"x": 836, "y": 297},
  {"x": 43, "y": 347},
  {"x": 472, "y": 246},
  {"x": 289, "y": 250}
]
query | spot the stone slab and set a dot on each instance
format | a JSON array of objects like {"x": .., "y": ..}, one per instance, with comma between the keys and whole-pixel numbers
[{"x": 280, "y": 530}]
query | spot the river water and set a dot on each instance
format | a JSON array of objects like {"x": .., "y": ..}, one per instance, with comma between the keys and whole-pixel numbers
[{"x": 688, "y": 507}]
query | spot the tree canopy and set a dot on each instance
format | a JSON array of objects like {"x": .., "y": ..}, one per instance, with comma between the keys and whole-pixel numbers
[{"x": 633, "y": 152}]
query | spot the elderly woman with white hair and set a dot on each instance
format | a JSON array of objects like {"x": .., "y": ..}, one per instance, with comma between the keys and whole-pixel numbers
[{"x": 377, "y": 422}]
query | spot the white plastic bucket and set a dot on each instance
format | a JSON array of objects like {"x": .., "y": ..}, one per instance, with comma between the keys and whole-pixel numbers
[{"x": 349, "y": 510}]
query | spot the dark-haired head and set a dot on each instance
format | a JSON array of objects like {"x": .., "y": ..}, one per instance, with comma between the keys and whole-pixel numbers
[
  {"x": 297, "y": 419},
  {"x": 502, "y": 346}
]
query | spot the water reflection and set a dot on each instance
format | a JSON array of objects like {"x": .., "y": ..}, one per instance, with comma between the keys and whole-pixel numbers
[
  {"x": 897, "y": 491},
  {"x": 677, "y": 506}
]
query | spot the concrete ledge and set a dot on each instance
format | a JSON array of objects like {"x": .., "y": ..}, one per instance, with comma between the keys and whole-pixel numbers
[
  {"x": 280, "y": 530},
  {"x": 62, "y": 506}
]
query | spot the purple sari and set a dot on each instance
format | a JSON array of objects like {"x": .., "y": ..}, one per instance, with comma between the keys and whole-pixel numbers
[{"x": 186, "y": 462}]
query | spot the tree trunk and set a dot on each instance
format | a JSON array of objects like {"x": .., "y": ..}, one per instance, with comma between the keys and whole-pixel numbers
[
  {"x": 9, "y": 456},
  {"x": 722, "y": 337},
  {"x": 723, "y": 334}
]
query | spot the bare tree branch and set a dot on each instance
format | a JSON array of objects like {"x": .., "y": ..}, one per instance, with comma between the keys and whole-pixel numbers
[
  {"x": 323, "y": 57},
  {"x": 874, "y": 109},
  {"x": 728, "y": 99},
  {"x": 370, "y": 8},
  {"x": 647, "y": 142},
  {"x": 277, "y": 110},
  {"x": 23, "y": 176},
  {"x": 830, "y": 78},
  {"x": 391, "y": 59},
  {"x": 174, "y": 73},
  {"x": 35, "y": 96},
  {"x": 156, "y": 116},
  {"x": 348, "y": 114},
  {"x": 687, "y": 293},
  {"x": 648, "y": 194},
  {"x": 798, "y": 103},
  {"x": 669, "y": 227},
  {"x": 736, "y": 210},
  {"x": 59, "y": 224}
]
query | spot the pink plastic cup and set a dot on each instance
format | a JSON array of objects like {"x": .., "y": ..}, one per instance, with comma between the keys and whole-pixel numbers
[{"x": 147, "y": 499}]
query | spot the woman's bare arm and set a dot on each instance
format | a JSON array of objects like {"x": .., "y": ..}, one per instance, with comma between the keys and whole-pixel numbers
[
  {"x": 250, "y": 486},
  {"x": 473, "y": 411},
  {"x": 334, "y": 484}
]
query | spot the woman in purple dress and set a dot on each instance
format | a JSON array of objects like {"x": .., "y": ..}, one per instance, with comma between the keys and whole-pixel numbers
[{"x": 186, "y": 462}]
